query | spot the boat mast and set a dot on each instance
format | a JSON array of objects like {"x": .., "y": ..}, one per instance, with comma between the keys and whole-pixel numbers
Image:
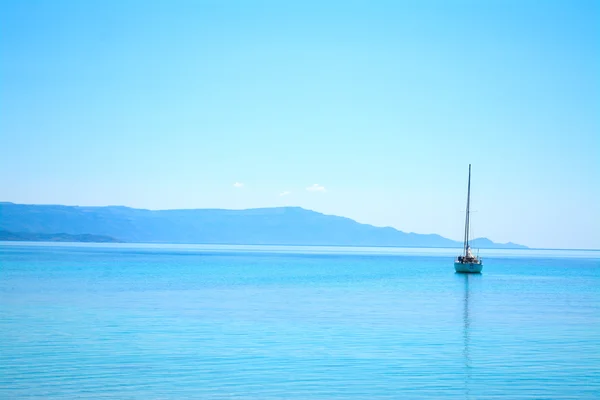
[{"x": 466, "y": 244}]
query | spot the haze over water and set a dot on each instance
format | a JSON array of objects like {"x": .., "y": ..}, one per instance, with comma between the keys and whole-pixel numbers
[{"x": 160, "y": 321}]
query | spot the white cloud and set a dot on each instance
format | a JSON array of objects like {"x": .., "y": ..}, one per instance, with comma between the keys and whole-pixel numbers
[
  {"x": 284, "y": 193},
  {"x": 238, "y": 185},
  {"x": 316, "y": 188}
]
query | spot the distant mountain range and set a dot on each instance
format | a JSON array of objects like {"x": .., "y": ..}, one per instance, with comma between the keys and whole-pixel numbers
[{"x": 282, "y": 225}]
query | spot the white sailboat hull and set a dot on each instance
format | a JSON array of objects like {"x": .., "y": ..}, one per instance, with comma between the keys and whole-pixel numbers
[{"x": 469, "y": 268}]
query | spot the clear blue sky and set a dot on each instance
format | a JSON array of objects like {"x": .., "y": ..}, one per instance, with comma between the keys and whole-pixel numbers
[{"x": 383, "y": 104}]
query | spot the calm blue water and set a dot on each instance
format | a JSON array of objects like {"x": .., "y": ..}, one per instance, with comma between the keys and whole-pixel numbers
[{"x": 218, "y": 322}]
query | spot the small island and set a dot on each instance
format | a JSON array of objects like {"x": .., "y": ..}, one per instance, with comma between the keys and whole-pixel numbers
[{"x": 55, "y": 237}]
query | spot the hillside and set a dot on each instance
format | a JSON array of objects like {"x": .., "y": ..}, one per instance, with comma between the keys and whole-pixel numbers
[{"x": 285, "y": 226}]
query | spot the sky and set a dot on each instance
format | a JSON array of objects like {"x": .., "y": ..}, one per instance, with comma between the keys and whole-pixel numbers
[{"x": 371, "y": 110}]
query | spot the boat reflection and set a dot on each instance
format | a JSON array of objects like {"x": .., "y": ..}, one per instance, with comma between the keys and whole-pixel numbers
[{"x": 466, "y": 332}]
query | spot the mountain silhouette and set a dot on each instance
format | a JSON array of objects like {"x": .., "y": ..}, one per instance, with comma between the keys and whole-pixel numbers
[{"x": 281, "y": 225}]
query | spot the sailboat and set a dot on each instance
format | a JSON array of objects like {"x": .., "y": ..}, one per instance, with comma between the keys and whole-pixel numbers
[{"x": 467, "y": 262}]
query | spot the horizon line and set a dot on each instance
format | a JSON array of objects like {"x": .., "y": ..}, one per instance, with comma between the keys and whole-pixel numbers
[{"x": 300, "y": 245}]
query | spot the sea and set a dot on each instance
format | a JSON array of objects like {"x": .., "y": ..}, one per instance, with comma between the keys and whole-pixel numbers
[{"x": 125, "y": 321}]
